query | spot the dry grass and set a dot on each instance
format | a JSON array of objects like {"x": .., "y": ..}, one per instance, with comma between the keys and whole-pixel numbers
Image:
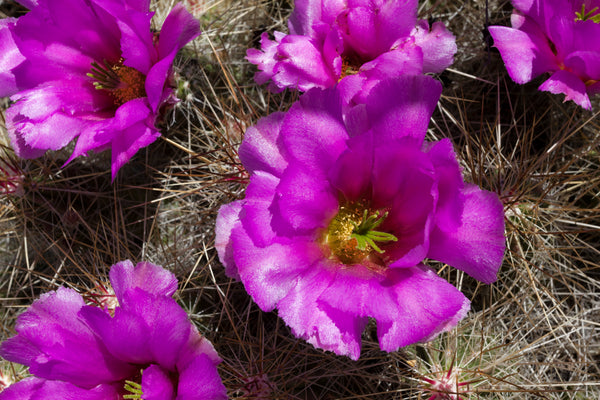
[{"x": 532, "y": 334}]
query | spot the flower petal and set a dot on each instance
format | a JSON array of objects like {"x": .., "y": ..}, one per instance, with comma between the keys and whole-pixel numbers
[
  {"x": 570, "y": 85},
  {"x": 10, "y": 57},
  {"x": 269, "y": 273},
  {"x": 308, "y": 201},
  {"x": 301, "y": 64},
  {"x": 315, "y": 134},
  {"x": 525, "y": 55},
  {"x": 56, "y": 344},
  {"x": 134, "y": 129},
  {"x": 260, "y": 150},
  {"x": 145, "y": 329},
  {"x": 438, "y": 45},
  {"x": 227, "y": 219},
  {"x": 477, "y": 246},
  {"x": 156, "y": 384},
  {"x": 315, "y": 320},
  {"x": 36, "y": 389},
  {"x": 179, "y": 28},
  {"x": 393, "y": 117},
  {"x": 151, "y": 278},
  {"x": 409, "y": 304},
  {"x": 200, "y": 381}
]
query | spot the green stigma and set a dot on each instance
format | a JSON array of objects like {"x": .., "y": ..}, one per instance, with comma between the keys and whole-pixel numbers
[
  {"x": 365, "y": 233},
  {"x": 592, "y": 15},
  {"x": 134, "y": 388}
]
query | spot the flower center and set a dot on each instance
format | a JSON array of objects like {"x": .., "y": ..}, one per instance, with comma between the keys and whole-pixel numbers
[
  {"x": 593, "y": 15},
  {"x": 123, "y": 83},
  {"x": 350, "y": 66},
  {"x": 351, "y": 235}
]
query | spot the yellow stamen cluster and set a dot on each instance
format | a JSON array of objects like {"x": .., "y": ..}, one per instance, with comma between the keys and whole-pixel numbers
[{"x": 351, "y": 235}]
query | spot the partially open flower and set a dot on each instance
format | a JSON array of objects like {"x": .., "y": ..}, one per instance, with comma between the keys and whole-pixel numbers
[
  {"x": 148, "y": 350},
  {"x": 89, "y": 70},
  {"x": 341, "y": 210},
  {"x": 555, "y": 36},
  {"x": 358, "y": 42}
]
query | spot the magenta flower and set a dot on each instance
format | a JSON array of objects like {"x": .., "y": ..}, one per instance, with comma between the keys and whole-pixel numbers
[
  {"x": 358, "y": 41},
  {"x": 555, "y": 36},
  {"x": 341, "y": 210},
  {"x": 91, "y": 70},
  {"x": 146, "y": 348}
]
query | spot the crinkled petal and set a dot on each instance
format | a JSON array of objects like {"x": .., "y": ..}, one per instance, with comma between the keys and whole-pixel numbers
[
  {"x": 56, "y": 344},
  {"x": 260, "y": 150},
  {"x": 409, "y": 304},
  {"x": 151, "y": 278},
  {"x": 270, "y": 272},
  {"x": 477, "y": 245},
  {"x": 200, "y": 381},
  {"x": 265, "y": 59},
  {"x": 307, "y": 13},
  {"x": 438, "y": 45},
  {"x": 301, "y": 64},
  {"x": 315, "y": 320},
  {"x": 156, "y": 384},
  {"x": 569, "y": 84},
  {"x": 40, "y": 389},
  {"x": 54, "y": 113}
]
